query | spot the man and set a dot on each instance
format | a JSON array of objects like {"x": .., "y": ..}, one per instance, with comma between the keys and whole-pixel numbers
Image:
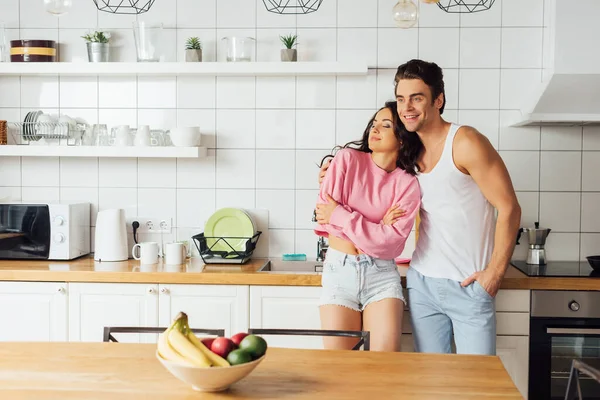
[{"x": 463, "y": 249}]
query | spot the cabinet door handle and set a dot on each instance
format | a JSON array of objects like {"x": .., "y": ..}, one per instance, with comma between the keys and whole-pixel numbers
[
  {"x": 61, "y": 290},
  {"x": 164, "y": 291},
  {"x": 150, "y": 290}
]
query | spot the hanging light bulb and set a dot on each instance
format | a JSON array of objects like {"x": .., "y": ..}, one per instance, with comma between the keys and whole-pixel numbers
[
  {"x": 57, "y": 7},
  {"x": 405, "y": 13}
]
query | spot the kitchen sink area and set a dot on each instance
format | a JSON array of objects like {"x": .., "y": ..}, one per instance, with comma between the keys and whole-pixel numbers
[{"x": 275, "y": 265}]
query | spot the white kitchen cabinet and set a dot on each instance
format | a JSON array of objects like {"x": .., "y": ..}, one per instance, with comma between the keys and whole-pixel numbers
[
  {"x": 514, "y": 353},
  {"x": 33, "y": 311},
  {"x": 207, "y": 306},
  {"x": 92, "y": 306},
  {"x": 286, "y": 307}
]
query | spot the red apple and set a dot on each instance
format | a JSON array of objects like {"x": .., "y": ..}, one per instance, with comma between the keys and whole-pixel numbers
[
  {"x": 222, "y": 346},
  {"x": 208, "y": 342},
  {"x": 238, "y": 337}
]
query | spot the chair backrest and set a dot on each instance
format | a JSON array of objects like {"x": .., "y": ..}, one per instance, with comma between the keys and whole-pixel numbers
[
  {"x": 365, "y": 337},
  {"x": 109, "y": 330},
  {"x": 578, "y": 367}
]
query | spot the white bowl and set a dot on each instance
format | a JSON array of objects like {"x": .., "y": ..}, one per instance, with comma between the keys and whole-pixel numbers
[
  {"x": 214, "y": 379},
  {"x": 185, "y": 136}
]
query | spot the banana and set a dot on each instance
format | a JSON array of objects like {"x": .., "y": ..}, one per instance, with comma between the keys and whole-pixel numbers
[
  {"x": 183, "y": 346},
  {"x": 215, "y": 359},
  {"x": 167, "y": 352}
]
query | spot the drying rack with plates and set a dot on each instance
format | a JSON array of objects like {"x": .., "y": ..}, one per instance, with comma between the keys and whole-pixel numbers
[{"x": 32, "y": 130}]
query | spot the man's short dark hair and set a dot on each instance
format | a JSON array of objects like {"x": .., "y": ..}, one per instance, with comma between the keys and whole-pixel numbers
[{"x": 428, "y": 72}]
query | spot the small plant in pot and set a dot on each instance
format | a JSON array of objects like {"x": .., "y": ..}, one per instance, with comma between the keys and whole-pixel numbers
[
  {"x": 193, "y": 50},
  {"x": 98, "y": 46},
  {"x": 289, "y": 53}
]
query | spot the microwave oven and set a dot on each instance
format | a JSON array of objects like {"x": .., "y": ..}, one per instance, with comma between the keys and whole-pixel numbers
[{"x": 43, "y": 231}]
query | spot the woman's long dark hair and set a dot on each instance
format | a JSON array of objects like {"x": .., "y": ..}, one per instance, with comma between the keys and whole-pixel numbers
[{"x": 410, "y": 148}]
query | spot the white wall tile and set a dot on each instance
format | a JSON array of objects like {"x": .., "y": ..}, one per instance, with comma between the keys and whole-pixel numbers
[
  {"x": 9, "y": 9},
  {"x": 522, "y": 13},
  {"x": 194, "y": 207},
  {"x": 157, "y": 173},
  {"x": 239, "y": 198},
  {"x": 196, "y": 91},
  {"x": 315, "y": 129},
  {"x": 357, "y": 14},
  {"x": 451, "y": 87},
  {"x": 117, "y": 172},
  {"x": 306, "y": 243},
  {"x": 485, "y": 121},
  {"x": 158, "y": 118},
  {"x": 306, "y": 201},
  {"x": 441, "y": 45},
  {"x": 125, "y": 198},
  {"x": 529, "y": 202},
  {"x": 384, "y": 11},
  {"x": 275, "y": 129},
  {"x": 10, "y": 193},
  {"x": 196, "y": 172},
  {"x": 590, "y": 212},
  {"x": 43, "y": 171},
  {"x": 11, "y": 86},
  {"x": 205, "y": 119},
  {"x": 517, "y": 138},
  {"x": 389, "y": 53},
  {"x": 162, "y": 12},
  {"x": 522, "y": 47},
  {"x": 307, "y": 168},
  {"x": 78, "y": 92},
  {"x": 315, "y": 92},
  {"x": 591, "y": 165},
  {"x": 317, "y": 44},
  {"x": 33, "y": 15},
  {"x": 591, "y": 138},
  {"x": 357, "y": 45},
  {"x": 325, "y": 16},
  {"x": 268, "y": 44},
  {"x": 385, "y": 86},
  {"x": 562, "y": 246},
  {"x": 236, "y": 129},
  {"x": 275, "y": 169},
  {"x": 10, "y": 171},
  {"x": 490, "y": 17},
  {"x": 236, "y": 14},
  {"x": 357, "y": 92},
  {"x": 122, "y": 43},
  {"x": 208, "y": 40},
  {"x": 561, "y": 138},
  {"x": 480, "y": 47},
  {"x": 269, "y": 19},
  {"x": 159, "y": 202},
  {"x": 196, "y": 13},
  {"x": 235, "y": 169},
  {"x": 430, "y": 15},
  {"x": 113, "y": 117},
  {"x": 350, "y": 125},
  {"x": 560, "y": 171},
  {"x": 560, "y": 211},
  {"x": 110, "y": 20},
  {"x": 89, "y": 115},
  {"x": 41, "y": 194},
  {"x": 83, "y": 14},
  {"x": 281, "y": 206},
  {"x": 117, "y": 92},
  {"x": 83, "y": 195},
  {"x": 524, "y": 168},
  {"x": 275, "y": 92},
  {"x": 589, "y": 245},
  {"x": 157, "y": 92},
  {"x": 479, "y": 89},
  {"x": 236, "y": 92},
  {"x": 282, "y": 241},
  {"x": 79, "y": 172},
  {"x": 39, "y": 91}
]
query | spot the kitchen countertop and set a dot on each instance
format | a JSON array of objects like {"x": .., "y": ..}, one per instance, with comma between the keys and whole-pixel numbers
[
  {"x": 44, "y": 371},
  {"x": 195, "y": 271}
]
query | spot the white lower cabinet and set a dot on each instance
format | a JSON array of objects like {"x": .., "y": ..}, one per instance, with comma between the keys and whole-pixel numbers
[
  {"x": 33, "y": 311},
  {"x": 93, "y": 306},
  {"x": 514, "y": 353},
  {"x": 286, "y": 307}
]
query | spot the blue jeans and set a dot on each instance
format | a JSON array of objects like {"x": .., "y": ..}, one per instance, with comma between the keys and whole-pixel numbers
[{"x": 439, "y": 307}]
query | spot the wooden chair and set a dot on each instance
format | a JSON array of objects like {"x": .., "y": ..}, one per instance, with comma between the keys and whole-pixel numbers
[
  {"x": 109, "y": 330},
  {"x": 365, "y": 338}
]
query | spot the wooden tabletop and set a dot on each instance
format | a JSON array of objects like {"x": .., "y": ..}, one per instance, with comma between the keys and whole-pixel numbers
[{"x": 52, "y": 371}]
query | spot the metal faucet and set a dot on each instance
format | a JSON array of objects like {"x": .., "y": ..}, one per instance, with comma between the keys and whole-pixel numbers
[{"x": 321, "y": 248}]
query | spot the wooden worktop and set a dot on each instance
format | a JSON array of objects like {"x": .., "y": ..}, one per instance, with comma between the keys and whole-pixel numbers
[
  {"x": 51, "y": 371},
  {"x": 196, "y": 272}
]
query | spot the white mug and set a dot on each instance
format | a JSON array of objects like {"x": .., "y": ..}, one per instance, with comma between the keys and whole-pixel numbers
[
  {"x": 148, "y": 253},
  {"x": 175, "y": 253}
]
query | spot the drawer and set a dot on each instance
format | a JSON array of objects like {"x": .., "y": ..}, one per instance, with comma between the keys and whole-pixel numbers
[{"x": 513, "y": 300}]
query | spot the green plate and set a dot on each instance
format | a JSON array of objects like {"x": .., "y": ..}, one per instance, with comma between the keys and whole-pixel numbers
[{"x": 228, "y": 222}]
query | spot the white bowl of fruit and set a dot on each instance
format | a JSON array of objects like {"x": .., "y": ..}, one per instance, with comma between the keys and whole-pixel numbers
[{"x": 209, "y": 364}]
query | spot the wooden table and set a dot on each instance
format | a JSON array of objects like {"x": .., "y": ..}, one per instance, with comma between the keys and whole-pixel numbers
[{"x": 80, "y": 371}]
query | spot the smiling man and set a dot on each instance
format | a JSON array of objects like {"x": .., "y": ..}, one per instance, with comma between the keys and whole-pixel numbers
[{"x": 463, "y": 249}]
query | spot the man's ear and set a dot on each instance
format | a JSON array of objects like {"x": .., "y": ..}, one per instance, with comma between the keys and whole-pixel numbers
[{"x": 439, "y": 101}]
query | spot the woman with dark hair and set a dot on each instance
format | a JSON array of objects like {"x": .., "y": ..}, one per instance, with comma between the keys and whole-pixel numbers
[{"x": 367, "y": 205}]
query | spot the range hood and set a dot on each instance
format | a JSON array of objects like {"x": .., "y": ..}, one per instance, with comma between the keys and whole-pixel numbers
[{"x": 569, "y": 94}]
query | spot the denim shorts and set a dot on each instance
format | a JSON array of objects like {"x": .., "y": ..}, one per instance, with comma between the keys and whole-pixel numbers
[{"x": 354, "y": 281}]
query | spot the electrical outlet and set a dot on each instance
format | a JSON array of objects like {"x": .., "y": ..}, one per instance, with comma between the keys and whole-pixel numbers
[{"x": 150, "y": 224}]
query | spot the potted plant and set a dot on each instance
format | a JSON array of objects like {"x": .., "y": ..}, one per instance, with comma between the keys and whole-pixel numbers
[
  {"x": 289, "y": 53},
  {"x": 193, "y": 50},
  {"x": 97, "y": 46}
]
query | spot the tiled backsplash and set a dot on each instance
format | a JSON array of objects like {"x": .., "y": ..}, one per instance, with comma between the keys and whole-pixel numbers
[{"x": 266, "y": 134}]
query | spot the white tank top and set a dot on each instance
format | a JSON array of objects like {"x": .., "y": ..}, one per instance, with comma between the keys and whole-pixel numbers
[{"x": 456, "y": 233}]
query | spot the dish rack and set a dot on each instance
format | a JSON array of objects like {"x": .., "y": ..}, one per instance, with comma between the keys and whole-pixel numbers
[
  {"x": 24, "y": 133},
  {"x": 212, "y": 256}
]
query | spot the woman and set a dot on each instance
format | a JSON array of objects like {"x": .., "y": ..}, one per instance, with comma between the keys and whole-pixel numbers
[{"x": 367, "y": 205}]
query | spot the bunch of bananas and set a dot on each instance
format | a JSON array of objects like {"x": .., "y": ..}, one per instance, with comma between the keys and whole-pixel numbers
[{"x": 179, "y": 344}]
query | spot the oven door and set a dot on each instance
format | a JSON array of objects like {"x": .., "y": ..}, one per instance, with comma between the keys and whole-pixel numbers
[{"x": 24, "y": 231}]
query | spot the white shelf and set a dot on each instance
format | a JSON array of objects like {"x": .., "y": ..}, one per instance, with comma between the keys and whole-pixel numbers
[
  {"x": 99, "y": 151},
  {"x": 190, "y": 68}
]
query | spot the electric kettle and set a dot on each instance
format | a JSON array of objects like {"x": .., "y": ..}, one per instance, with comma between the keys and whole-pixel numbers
[{"x": 111, "y": 236}]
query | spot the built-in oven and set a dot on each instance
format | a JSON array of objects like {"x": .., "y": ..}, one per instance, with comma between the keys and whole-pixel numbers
[{"x": 564, "y": 325}]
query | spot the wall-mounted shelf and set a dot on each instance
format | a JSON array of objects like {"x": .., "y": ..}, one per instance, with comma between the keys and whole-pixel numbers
[
  {"x": 98, "y": 151},
  {"x": 181, "y": 68}
]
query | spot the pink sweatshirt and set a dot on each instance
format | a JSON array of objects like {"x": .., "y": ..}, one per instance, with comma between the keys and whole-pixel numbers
[{"x": 365, "y": 192}]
